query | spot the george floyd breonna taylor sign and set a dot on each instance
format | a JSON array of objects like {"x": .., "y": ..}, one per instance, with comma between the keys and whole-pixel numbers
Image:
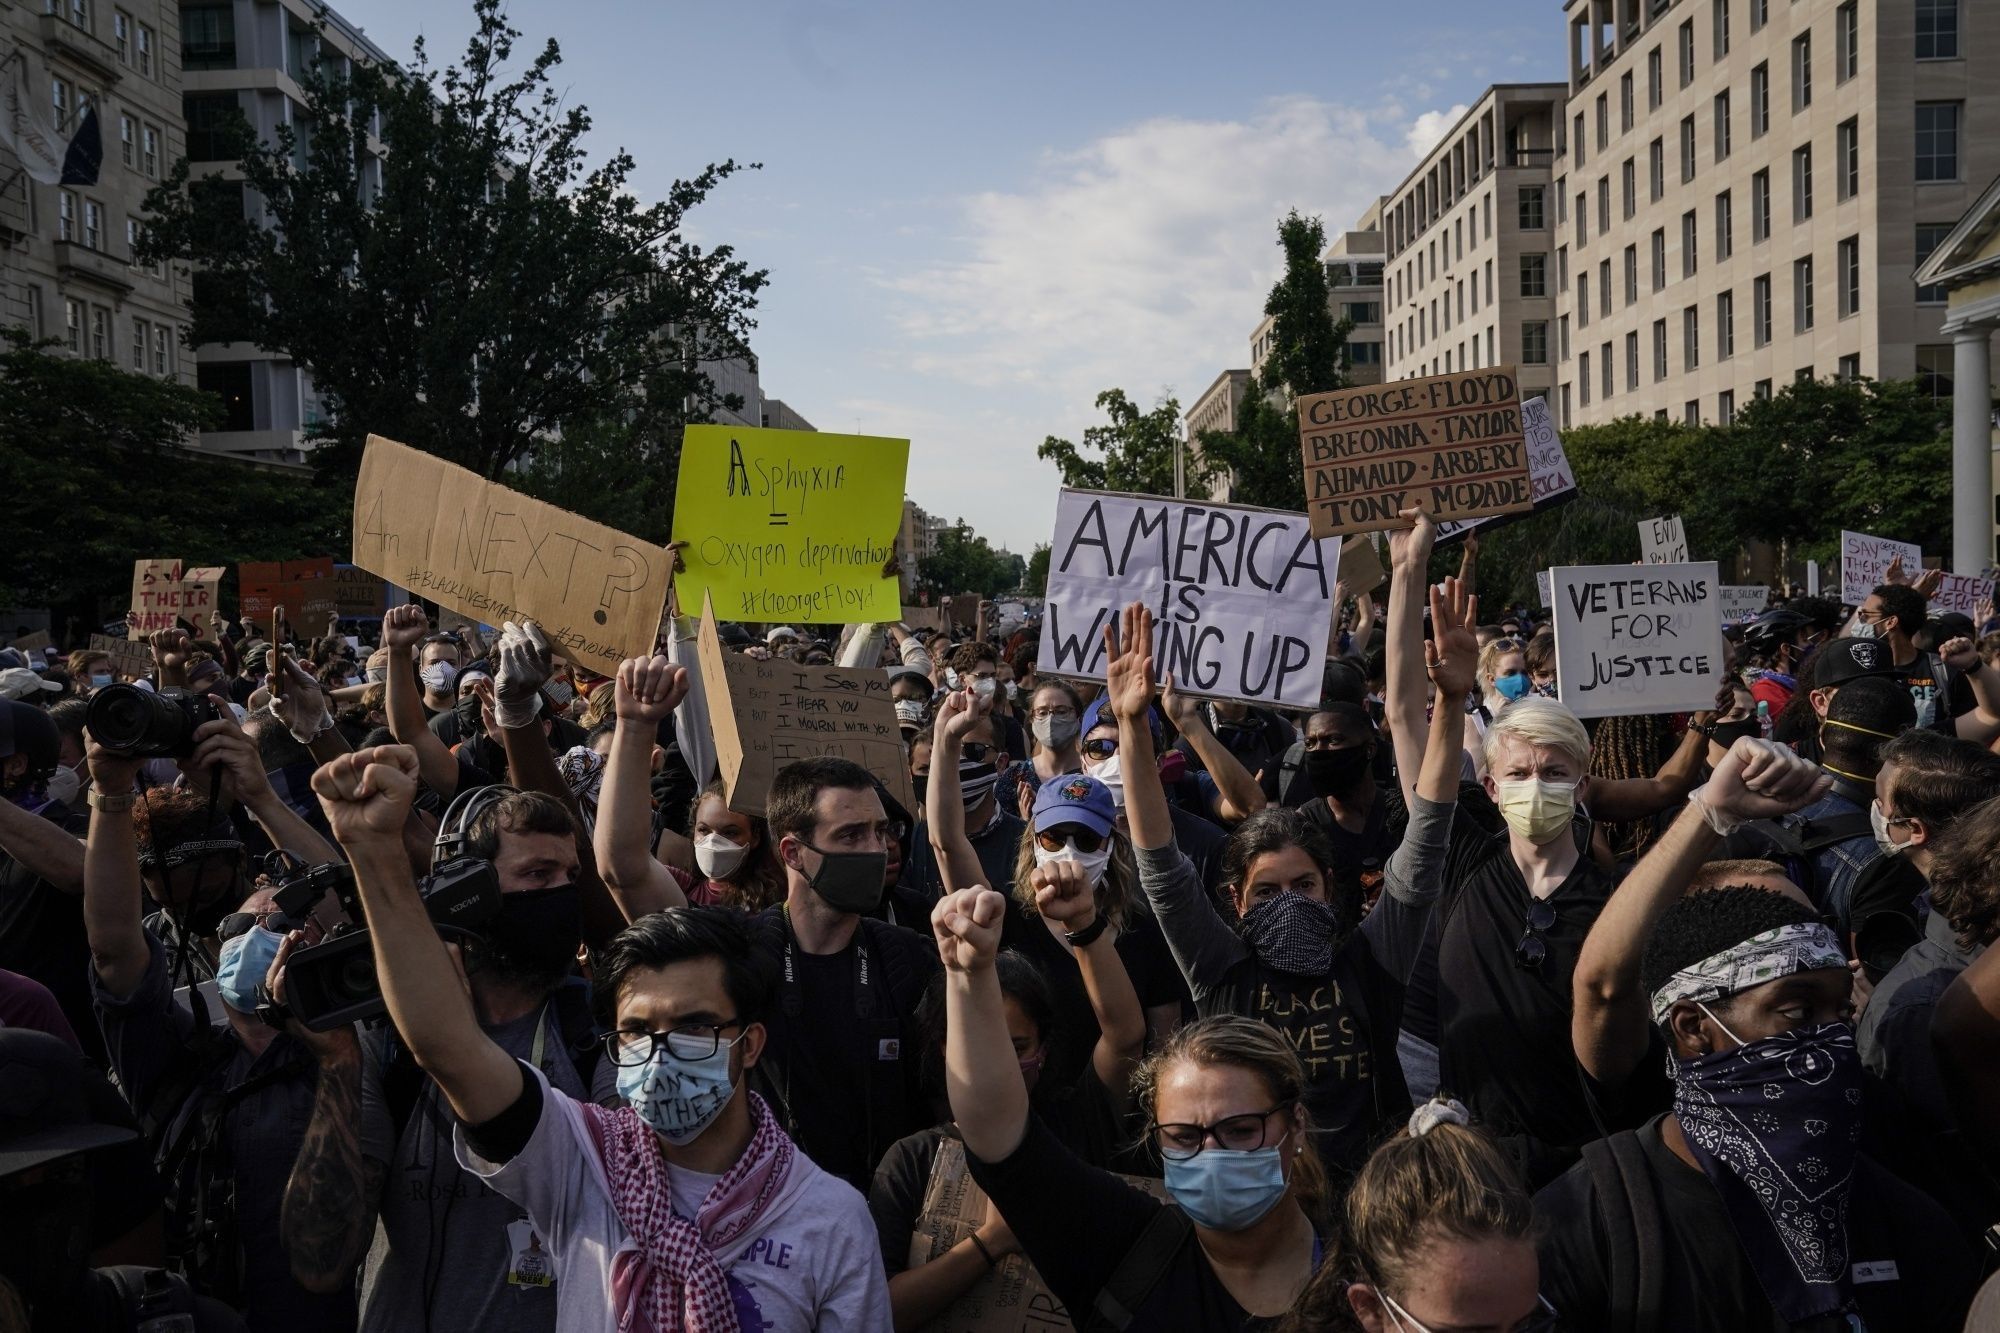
[
  {"x": 1637, "y": 638},
  {"x": 1450, "y": 445},
  {"x": 1243, "y": 598}
]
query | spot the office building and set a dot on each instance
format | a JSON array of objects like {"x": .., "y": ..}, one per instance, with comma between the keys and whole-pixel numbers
[
  {"x": 1468, "y": 236},
  {"x": 66, "y": 267},
  {"x": 1354, "y": 264},
  {"x": 1744, "y": 191}
]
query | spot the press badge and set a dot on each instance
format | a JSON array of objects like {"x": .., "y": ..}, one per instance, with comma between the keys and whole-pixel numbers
[{"x": 531, "y": 1265}]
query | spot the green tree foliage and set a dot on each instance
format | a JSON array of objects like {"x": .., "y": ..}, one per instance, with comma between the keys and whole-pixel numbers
[
  {"x": 97, "y": 475},
  {"x": 494, "y": 291},
  {"x": 1308, "y": 356},
  {"x": 1037, "y": 580},
  {"x": 961, "y": 562},
  {"x": 1137, "y": 450}
]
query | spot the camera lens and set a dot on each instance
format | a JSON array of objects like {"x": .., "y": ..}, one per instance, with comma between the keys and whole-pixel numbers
[
  {"x": 129, "y": 719},
  {"x": 355, "y": 979}
]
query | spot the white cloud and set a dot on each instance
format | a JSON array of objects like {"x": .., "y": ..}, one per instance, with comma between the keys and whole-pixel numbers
[{"x": 1139, "y": 260}]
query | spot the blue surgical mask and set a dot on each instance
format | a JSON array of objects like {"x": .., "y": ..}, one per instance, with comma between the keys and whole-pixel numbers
[
  {"x": 1224, "y": 1190},
  {"x": 241, "y": 965},
  {"x": 1512, "y": 685},
  {"x": 99, "y": 680},
  {"x": 679, "y": 1098}
]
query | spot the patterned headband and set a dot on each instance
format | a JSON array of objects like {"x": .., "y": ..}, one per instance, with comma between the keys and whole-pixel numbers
[
  {"x": 1800, "y": 947},
  {"x": 182, "y": 853}
]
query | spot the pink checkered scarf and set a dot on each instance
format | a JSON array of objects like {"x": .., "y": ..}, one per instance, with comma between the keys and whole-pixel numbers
[{"x": 676, "y": 1284}]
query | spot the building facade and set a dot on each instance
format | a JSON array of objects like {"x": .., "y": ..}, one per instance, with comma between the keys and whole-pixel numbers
[
  {"x": 1745, "y": 188},
  {"x": 66, "y": 266},
  {"x": 1354, "y": 265},
  {"x": 1468, "y": 237}
]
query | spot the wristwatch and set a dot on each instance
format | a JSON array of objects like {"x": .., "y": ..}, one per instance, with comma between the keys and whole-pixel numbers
[
  {"x": 1080, "y": 939},
  {"x": 111, "y": 805}
]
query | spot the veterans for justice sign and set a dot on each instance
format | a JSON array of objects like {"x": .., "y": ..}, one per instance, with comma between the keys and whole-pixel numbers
[
  {"x": 1451, "y": 445},
  {"x": 1637, "y": 638}
]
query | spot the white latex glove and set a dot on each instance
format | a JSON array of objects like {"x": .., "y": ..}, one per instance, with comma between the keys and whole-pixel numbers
[{"x": 524, "y": 666}]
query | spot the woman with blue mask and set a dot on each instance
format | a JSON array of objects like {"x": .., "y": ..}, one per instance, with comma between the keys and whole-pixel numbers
[{"x": 1222, "y": 1100}]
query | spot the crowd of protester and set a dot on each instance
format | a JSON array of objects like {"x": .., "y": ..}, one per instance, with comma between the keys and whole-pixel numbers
[{"x": 419, "y": 979}]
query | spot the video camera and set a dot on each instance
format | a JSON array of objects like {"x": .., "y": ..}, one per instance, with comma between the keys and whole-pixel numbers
[{"x": 152, "y": 724}]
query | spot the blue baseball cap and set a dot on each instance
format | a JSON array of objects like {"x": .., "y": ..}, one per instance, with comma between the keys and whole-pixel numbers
[
  {"x": 1099, "y": 714},
  {"x": 1075, "y": 798}
]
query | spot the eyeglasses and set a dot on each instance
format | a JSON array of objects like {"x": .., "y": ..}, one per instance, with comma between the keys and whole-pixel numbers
[
  {"x": 690, "y": 1041},
  {"x": 1237, "y": 1133},
  {"x": 1046, "y": 714},
  {"x": 1533, "y": 950},
  {"x": 1055, "y": 839},
  {"x": 1100, "y": 747},
  {"x": 238, "y": 923},
  {"x": 1542, "y": 1319},
  {"x": 976, "y": 751}
]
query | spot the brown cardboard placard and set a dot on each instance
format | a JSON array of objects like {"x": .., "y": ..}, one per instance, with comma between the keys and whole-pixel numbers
[
  {"x": 357, "y": 593},
  {"x": 303, "y": 589},
  {"x": 964, "y": 609},
  {"x": 1361, "y": 566},
  {"x": 130, "y": 660},
  {"x": 1451, "y": 445},
  {"x": 166, "y": 591},
  {"x": 766, "y": 714},
  {"x": 1010, "y": 1299},
  {"x": 493, "y": 554},
  {"x": 34, "y": 643}
]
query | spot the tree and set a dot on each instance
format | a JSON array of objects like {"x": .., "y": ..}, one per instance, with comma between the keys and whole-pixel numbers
[
  {"x": 1138, "y": 450},
  {"x": 961, "y": 562},
  {"x": 1308, "y": 356},
  {"x": 489, "y": 293},
  {"x": 97, "y": 474},
  {"x": 1037, "y": 578}
]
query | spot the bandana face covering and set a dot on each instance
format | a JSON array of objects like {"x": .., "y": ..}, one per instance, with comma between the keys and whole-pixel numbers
[
  {"x": 1775, "y": 1125},
  {"x": 1290, "y": 932}
]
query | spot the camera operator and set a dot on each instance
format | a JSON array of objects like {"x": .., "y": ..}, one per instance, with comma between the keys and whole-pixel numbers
[{"x": 222, "y": 1106}]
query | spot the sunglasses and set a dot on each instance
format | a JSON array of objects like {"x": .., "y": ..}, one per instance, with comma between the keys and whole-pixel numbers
[
  {"x": 1100, "y": 747},
  {"x": 977, "y": 751},
  {"x": 1533, "y": 950},
  {"x": 1054, "y": 839}
]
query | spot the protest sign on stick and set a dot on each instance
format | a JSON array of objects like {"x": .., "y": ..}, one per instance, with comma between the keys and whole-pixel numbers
[
  {"x": 1637, "y": 639},
  {"x": 1663, "y": 541},
  {"x": 1741, "y": 602},
  {"x": 1864, "y": 559},
  {"x": 1451, "y": 445},
  {"x": 1242, "y": 597},
  {"x": 790, "y": 525},
  {"x": 1549, "y": 475},
  {"x": 493, "y": 554},
  {"x": 766, "y": 714},
  {"x": 164, "y": 591}
]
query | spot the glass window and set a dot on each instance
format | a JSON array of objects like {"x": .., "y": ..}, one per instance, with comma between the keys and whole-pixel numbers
[
  {"x": 1534, "y": 275},
  {"x": 1656, "y": 168},
  {"x": 93, "y": 224},
  {"x": 143, "y": 45},
  {"x": 1760, "y": 309},
  {"x": 1603, "y": 121},
  {"x": 128, "y": 142},
  {"x": 1721, "y": 126},
  {"x": 213, "y": 122},
  {"x": 1687, "y": 52},
  {"x": 131, "y": 238},
  {"x": 1725, "y": 408},
  {"x": 1850, "y": 366},
  {"x": 66, "y": 228},
  {"x": 1846, "y": 42},
  {"x": 1583, "y": 300},
  {"x": 73, "y": 324},
  {"x": 1761, "y": 391},
  {"x": 141, "y": 343},
  {"x": 1628, "y": 181},
  {"x": 1631, "y": 361},
  {"x": 1690, "y": 244},
  {"x": 1659, "y": 258},
  {"x": 1937, "y": 29},
  {"x": 1603, "y": 204},
  {"x": 1721, "y": 28},
  {"x": 1604, "y": 360},
  {"x": 121, "y": 35},
  {"x": 1725, "y": 325},
  {"x": 1801, "y": 71},
  {"x": 1687, "y": 149},
  {"x": 1583, "y": 377},
  {"x": 1659, "y": 350},
  {"x": 1691, "y": 411},
  {"x": 1847, "y": 159},
  {"x": 1631, "y": 274},
  {"x": 1930, "y": 235},
  {"x": 1760, "y": 206},
  {"x": 1604, "y": 289},
  {"x": 1625, "y": 103},
  {"x": 1535, "y": 343},
  {"x": 1725, "y": 227},
  {"x": 1937, "y": 141},
  {"x": 149, "y": 159},
  {"x": 100, "y": 333},
  {"x": 1802, "y": 294},
  {"x": 1935, "y": 368},
  {"x": 1760, "y": 14},
  {"x": 1532, "y": 217},
  {"x": 208, "y": 37},
  {"x": 1653, "y": 91},
  {"x": 1847, "y": 273},
  {"x": 1691, "y": 338},
  {"x": 1562, "y": 332},
  {"x": 1802, "y": 184},
  {"x": 1760, "y": 100}
]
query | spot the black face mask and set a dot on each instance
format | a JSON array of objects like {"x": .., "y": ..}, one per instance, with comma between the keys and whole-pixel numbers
[
  {"x": 919, "y": 784},
  {"x": 1727, "y": 734},
  {"x": 851, "y": 881},
  {"x": 470, "y": 723},
  {"x": 534, "y": 938},
  {"x": 1336, "y": 772}
]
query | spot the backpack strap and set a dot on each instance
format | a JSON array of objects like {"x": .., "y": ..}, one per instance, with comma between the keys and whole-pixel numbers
[
  {"x": 1289, "y": 766},
  {"x": 1139, "y": 1271},
  {"x": 1816, "y": 835},
  {"x": 1636, "y": 1233}
]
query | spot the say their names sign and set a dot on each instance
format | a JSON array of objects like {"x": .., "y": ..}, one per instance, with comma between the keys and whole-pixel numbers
[
  {"x": 1549, "y": 475},
  {"x": 167, "y": 591},
  {"x": 493, "y": 554},
  {"x": 766, "y": 714},
  {"x": 1637, "y": 639},
  {"x": 1451, "y": 445},
  {"x": 1242, "y": 598},
  {"x": 1864, "y": 559},
  {"x": 1663, "y": 541}
]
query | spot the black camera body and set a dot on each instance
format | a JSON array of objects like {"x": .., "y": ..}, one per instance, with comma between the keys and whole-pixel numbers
[
  {"x": 333, "y": 983},
  {"x": 154, "y": 724}
]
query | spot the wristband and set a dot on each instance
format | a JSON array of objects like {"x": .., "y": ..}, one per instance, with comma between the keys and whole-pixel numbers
[
  {"x": 1721, "y": 823},
  {"x": 110, "y": 805},
  {"x": 984, "y": 1253},
  {"x": 1082, "y": 939}
]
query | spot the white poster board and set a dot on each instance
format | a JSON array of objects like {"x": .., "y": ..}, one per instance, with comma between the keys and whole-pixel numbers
[
  {"x": 1663, "y": 541},
  {"x": 1543, "y": 587},
  {"x": 1864, "y": 559},
  {"x": 1243, "y": 598},
  {"x": 1549, "y": 475},
  {"x": 1741, "y": 602},
  {"x": 1812, "y": 578},
  {"x": 1637, "y": 640}
]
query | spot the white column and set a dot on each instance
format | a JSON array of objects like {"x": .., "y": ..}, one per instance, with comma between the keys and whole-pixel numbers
[{"x": 1972, "y": 450}]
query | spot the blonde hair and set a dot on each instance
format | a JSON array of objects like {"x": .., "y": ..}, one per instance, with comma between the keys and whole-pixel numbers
[
  {"x": 1490, "y": 655},
  {"x": 1232, "y": 1040},
  {"x": 1536, "y": 721},
  {"x": 1116, "y": 896}
]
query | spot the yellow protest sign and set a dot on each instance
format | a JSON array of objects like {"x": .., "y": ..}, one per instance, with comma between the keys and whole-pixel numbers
[
  {"x": 492, "y": 554},
  {"x": 789, "y": 525}
]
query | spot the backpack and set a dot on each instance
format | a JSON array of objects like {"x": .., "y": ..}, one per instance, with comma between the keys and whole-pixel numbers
[
  {"x": 1635, "y": 1229},
  {"x": 1796, "y": 843},
  {"x": 1139, "y": 1272},
  {"x": 152, "y": 1300}
]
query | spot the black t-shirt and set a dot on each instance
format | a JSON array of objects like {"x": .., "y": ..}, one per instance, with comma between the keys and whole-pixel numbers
[
  {"x": 1941, "y": 695},
  {"x": 42, "y": 937},
  {"x": 996, "y": 848},
  {"x": 1503, "y": 1030},
  {"x": 1924, "y": 1269},
  {"x": 1076, "y": 1224},
  {"x": 1201, "y": 841},
  {"x": 841, "y": 1066},
  {"x": 1359, "y": 856}
]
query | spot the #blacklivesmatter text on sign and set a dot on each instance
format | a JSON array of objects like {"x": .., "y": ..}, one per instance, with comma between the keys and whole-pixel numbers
[
  {"x": 1637, "y": 638},
  {"x": 1451, "y": 445},
  {"x": 1242, "y": 598}
]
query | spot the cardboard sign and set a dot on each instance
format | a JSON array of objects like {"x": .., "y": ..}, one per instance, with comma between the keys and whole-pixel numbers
[
  {"x": 1956, "y": 592},
  {"x": 1635, "y": 639},
  {"x": 1742, "y": 602},
  {"x": 128, "y": 659},
  {"x": 302, "y": 589},
  {"x": 1010, "y": 1299},
  {"x": 1663, "y": 541},
  {"x": 165, "y": 591},
  {"x": 1543, "y": 588},
  {"x": 1549, "y": 475},
  {"x": 1242, "y": 597},
  {"x": 357, "y": 593},
  {"x": 964, "y": 609},
  {"x": 34, "y": 643},
  {"x": 1361, "y": 566},
  {"x": 1451, "y": 445},
  {"x": 789, "y": 525},
  {"x": 767, "y": 714},
  {"x": 1865, "y": 559},
  {"x": 493, "y": 554}
]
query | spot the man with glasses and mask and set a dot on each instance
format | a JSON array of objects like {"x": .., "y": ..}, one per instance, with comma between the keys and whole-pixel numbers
[
  {"x": 840, "y": 1065},
  {"x": 1956, "y": 693}
]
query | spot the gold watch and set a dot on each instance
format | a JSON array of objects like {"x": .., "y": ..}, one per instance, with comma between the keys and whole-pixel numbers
[{"x": 111, "y": 805}]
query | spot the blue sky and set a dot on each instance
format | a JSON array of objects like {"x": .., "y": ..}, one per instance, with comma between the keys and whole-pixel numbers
[{"x": 976, "y": 217}]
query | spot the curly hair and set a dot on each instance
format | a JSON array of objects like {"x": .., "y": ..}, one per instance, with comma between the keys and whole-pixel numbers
[
  {"x": 1965, "y": 874},
  {"x": 1704, "y": 924}
]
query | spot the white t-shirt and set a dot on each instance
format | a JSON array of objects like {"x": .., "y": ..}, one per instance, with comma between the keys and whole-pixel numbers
[{"x": 812, "y": 1262}]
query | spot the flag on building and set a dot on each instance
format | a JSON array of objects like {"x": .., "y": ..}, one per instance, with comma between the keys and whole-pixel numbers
[{"x": 49, "y": 155}]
